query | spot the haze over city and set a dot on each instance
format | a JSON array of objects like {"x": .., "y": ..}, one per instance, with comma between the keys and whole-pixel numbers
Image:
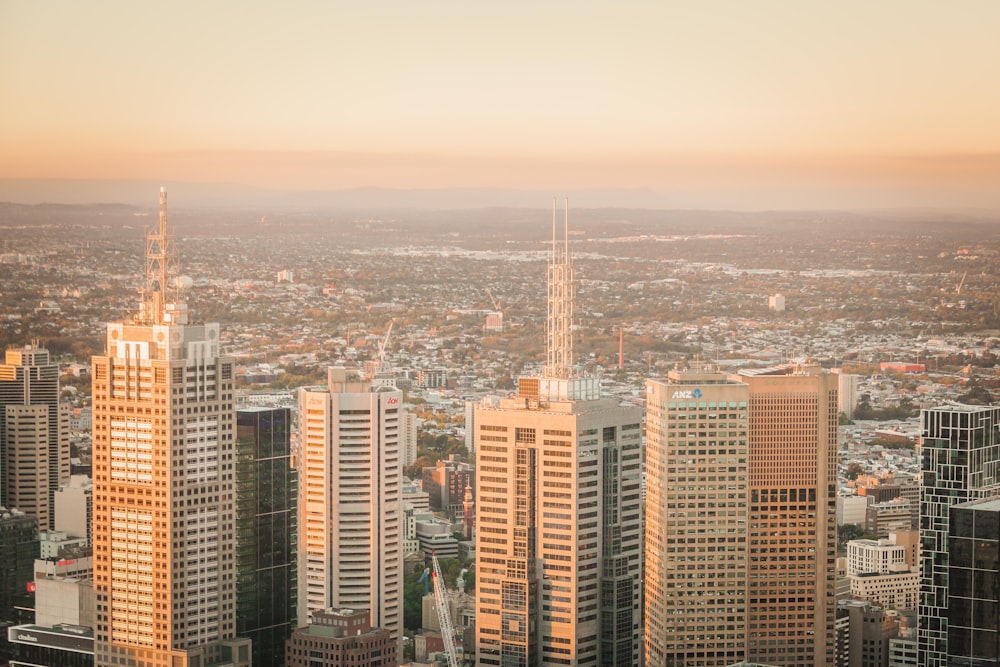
[
  {"x": 307, "y": 360},
  {"x": 660, "y": 105}
]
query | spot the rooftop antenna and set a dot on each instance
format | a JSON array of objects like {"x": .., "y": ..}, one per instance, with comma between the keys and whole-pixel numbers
[
  {"x": 159, "y": 261},
  {"x": 559, "y": 341}
]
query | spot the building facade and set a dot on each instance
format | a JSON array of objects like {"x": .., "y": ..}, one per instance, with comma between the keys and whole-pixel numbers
[
  {"x": 267, "y": 511},
  {"x": 558, "y": 511},
  {"x": 960, "y": 462},
  {"x": 163, "y": 462},
  {"x": 792, "y": 540},
  {"x": 34, "y": 434},
  {"x": 350, "y": 544},
  {"x": 342, "y": 638},
  {"x": 974, "y": 583},
  {"x": 697, "y": 501}
]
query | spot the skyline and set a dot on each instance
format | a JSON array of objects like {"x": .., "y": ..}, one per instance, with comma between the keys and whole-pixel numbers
[{"x": 714, "y": 105}]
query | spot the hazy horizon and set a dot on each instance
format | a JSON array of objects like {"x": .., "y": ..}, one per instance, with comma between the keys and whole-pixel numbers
[{"x": 766, "y": 105}]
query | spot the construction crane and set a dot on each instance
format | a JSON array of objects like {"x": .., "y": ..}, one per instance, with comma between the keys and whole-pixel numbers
[
  {"x": 385, "y": 343},
  {"x": 958, "y": 290},
  {"x": 444, "y": 618}
]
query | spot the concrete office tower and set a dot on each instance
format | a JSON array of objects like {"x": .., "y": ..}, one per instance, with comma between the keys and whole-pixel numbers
[
  {"x": 34, "y": 434},
  {"x": 350, "y": 500},
  {"x": 266, "y": 513},
  {"x": 558, "y": 521},
  {"x": 163, "y": 463},
  {"x": 697, "y": 519},
  {"x": 792, "y": 543},
  {"x": 960, "y": 462}
]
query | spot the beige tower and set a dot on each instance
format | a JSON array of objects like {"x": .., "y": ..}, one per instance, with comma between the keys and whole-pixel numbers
[
  {"x": 793, "y": 523},
  {"x": 34, "y": 434},
  {"x": 741, "y": 518},
  {"x": 697, "y": 519},
  {"x": 163, "y": 456},
  {"x": 558, "y": 512},
  {"x": 350, "y": 500}
]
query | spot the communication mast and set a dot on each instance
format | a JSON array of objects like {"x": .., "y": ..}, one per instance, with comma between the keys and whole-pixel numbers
[
  {"x": 444, "y": 618},
  {"x": 559, "y": 339}
]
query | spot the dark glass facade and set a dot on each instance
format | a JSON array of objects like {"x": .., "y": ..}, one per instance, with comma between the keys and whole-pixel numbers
[
  {"x": 974, "y": 584},
  {"x": 265, "y": 532}
]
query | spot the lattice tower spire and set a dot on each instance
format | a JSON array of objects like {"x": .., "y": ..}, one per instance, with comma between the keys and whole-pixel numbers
[{"x": 561, "y": 293}]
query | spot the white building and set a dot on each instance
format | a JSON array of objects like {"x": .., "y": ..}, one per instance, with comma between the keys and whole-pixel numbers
[
  {"x": 851, "y": 510},
  {"x": 75, "y": 507},
  {"x": 776, "y": 302},
  {"x": 875, "y": 557},
  {"x": 895, "y": 590},
  {"x": 350, "y": 500}
]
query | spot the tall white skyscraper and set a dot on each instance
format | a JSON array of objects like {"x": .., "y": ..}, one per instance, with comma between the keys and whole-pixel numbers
[
  {"x": 163, "y": 463},
  {"x": 350, "y": 500},
  {"x": 558, "y": 511}
]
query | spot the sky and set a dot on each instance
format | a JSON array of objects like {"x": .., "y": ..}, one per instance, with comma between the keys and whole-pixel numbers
[{"x": 763, "y": 102}]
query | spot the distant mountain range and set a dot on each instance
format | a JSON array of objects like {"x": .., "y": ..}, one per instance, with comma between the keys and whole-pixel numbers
[{"x": 228, "y": 195}]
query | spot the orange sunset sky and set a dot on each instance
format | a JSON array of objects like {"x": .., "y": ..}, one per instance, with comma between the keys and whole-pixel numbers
[{"x": 890, "y": 97}]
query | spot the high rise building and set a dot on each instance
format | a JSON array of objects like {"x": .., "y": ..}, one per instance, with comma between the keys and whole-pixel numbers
[
  {"x": 793, "y": 515},
  {"x": 741, "y": 518},
  {"x": 960, "y": 462},
  {"x": 974, "y": 583},
  {"x": 34, "y": 434},
  {"x": 697, "y": 519},
  {"x": 350, "y": 545},
  {"x": 266, "y": 514},
  {"x": 164, "y": 463},
  {"x": 559, "y": 514}
]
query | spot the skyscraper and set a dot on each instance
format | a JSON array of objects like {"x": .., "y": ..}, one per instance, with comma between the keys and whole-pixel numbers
[
  {"x": 960, "y": 462},
  {"x": 34, "y": 434},
  {"x": 793, "y": 515},
  {"x": 350, "y": 500},
  {"x": 974, "y": 583},
  {"x": 266, "y": 514},
  {"x": 163, "y": 462},
  {"x": 558, "y": 522},
  {"x": 697, "y": 562},
  {"x": 741, "y": 518}
]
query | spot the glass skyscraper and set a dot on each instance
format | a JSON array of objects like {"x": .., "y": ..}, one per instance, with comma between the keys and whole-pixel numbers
[{"x": 265, "y": 531}]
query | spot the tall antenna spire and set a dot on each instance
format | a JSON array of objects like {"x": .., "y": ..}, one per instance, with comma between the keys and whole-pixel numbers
[
  {"x": 159, "y": 261},
  {"x": 559, "y": 342}
]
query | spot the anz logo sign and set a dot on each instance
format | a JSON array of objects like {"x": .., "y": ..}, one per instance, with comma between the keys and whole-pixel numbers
[
  {"x": 392, "y": 400},
  {"x": 688, "y": 393}
]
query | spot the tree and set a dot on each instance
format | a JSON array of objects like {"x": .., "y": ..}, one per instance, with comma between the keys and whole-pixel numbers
[{"x": 854, "y": 469}]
